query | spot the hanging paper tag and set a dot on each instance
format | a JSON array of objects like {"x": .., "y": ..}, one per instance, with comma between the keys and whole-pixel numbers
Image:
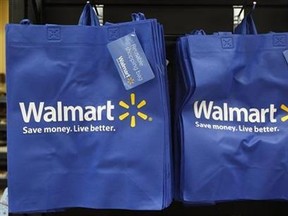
[{"x": 130, "y": 60}]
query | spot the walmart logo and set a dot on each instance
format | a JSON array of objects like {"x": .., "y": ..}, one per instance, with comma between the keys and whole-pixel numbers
[
  {"x": 225, "y": 112},
  {"x": 133, "y": 105},
  {"x": 60, "y": 112}
]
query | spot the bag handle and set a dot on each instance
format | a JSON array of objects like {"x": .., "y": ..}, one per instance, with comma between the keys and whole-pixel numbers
[
  {"x": 198, "y": 32},
  {"x": 247, "y": 25},
  {"x": 25, "y": 22},
  {"x": 138, "y": 16},
  {"x": 88, "y": 16}
]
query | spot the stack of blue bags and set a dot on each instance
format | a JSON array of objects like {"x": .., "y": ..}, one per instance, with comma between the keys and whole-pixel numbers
[
  {"x": 88, "y": 116},
  {"x": 231, "y": 118}
]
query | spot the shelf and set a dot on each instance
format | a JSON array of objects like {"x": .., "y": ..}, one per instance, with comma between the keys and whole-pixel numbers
[
  {"x": 3, "y": 175},
  {"x": 3, "y": 150}
]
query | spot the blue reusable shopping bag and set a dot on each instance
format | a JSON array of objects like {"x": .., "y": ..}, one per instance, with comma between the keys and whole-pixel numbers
[
  {"x": 76, "y": 136},
  {"x": 234, "y": 124}
]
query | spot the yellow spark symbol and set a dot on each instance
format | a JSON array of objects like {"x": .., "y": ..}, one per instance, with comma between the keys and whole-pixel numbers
[
  {"x": 285, "y": 108},
  {"x": 130, "y": 81},
  {"x": 138, "y": 106}
]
